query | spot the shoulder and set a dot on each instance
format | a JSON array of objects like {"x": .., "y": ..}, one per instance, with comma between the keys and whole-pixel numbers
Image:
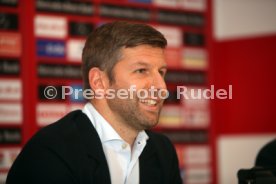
[
  {"x": 60, "y": 128},
  {"x": 157, "y": 136},
  {"x": 161, "y": 141},
  {"x": 50, "y": 155},
  {"x": 61, "y": 136},
  {"x": 57, "y": 140},
  {"x": 167, "y": 156}
]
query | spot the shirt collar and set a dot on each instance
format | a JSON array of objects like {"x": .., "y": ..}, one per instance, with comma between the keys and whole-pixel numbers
[
  {"x": 142, "y": 137},
  {"x": 104, "y": 129}
]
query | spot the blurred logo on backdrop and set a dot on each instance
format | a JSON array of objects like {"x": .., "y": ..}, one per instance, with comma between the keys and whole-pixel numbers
[
  {"x": 50, "y": 48},
  {"x": 8, "y": 21}
]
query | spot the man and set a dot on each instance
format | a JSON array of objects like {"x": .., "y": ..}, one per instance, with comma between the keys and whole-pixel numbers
[{"x": 108, "y": 141}]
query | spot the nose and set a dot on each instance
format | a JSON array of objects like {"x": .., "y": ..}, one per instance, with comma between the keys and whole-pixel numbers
[{"x": 158, "y": 81}]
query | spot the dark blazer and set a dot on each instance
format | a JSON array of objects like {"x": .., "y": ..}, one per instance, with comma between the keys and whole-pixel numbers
[
  {"x": 70, "y": 151},
  {"x": 267, "y": 155}
]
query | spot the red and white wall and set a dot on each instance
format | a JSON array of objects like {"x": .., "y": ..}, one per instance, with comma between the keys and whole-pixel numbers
[{"x": 244, "y": 55}]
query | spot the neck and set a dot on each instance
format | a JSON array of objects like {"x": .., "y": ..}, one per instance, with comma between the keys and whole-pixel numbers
[{"x": 126, "y": 132}]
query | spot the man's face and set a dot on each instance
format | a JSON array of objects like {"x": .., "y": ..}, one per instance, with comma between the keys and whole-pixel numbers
[{"x": 143, "y": 66}]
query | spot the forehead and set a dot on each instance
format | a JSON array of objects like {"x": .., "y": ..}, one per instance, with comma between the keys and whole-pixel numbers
[{"x": 143, "y": 54}]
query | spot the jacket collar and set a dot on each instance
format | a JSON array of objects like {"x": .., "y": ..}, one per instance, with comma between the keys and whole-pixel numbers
[
  {"x": 93, "y": 146},
  {"x": 94, "y": 149}
]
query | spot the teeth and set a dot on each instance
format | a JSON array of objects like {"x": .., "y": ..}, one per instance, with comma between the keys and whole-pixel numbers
[{"x": 149, "y": 102}]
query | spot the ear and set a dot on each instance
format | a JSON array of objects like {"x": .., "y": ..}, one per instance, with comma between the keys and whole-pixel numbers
[{"x": 97, "y": 79}]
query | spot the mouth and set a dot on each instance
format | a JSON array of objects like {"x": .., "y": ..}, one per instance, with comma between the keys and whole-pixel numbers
[
  {"x": 148, "y": 102},
  {"x": 152, "y": 105}
]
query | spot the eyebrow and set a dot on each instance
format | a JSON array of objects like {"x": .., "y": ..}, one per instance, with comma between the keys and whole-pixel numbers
[{"x": 141, "y": 63}]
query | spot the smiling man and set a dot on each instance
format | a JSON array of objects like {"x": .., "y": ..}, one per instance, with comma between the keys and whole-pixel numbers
[{"x": 109, "y": 141}]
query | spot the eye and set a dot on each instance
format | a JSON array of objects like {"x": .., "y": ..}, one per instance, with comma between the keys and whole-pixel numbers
[{"x": 141, "y": 70}]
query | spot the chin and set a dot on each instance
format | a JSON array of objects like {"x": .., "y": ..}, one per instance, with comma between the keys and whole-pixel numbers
[{"x": 150, "y": 124}]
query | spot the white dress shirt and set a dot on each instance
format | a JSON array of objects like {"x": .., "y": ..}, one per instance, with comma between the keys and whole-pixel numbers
[{"x": 123, "y": 162}]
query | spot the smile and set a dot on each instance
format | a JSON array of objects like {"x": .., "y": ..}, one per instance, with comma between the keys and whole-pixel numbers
[{"x": 149, "y": 102}]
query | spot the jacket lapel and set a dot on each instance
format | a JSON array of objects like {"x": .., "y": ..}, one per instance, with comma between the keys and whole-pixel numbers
[
  {"x": 97, "y": 163},
  {"x": 151, "y": 170}
]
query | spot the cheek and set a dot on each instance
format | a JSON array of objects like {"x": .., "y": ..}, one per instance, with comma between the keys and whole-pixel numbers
[
  {"x": 120, "y": 81},
  {"x": 142, "y": 84},
  {"x": 127, "y": 82},
  {"x": 124, "y": 80}
]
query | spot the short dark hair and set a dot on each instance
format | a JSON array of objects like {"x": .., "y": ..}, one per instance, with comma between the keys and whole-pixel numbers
[{"x": 103, "y": 46}]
